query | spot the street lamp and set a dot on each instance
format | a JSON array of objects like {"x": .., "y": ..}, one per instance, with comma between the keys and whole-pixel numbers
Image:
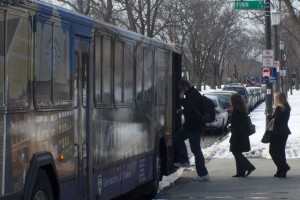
[
  {"x": 282, "y": 70},
  {"x": 275, "y": 22}
]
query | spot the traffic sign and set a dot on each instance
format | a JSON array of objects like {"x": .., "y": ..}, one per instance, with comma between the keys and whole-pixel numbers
[
  {"x": 282, "y": 72},
  {"x": 249, "y": 5},
  {"x": 267, "y": 58},
  {"x": 269, "y": 74},
  {"x": 277, "y": 65},
  {"x": 266, "y": 72}
]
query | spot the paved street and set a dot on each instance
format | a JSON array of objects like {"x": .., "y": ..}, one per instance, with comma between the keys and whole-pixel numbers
[{"x": 261, "y": 184}]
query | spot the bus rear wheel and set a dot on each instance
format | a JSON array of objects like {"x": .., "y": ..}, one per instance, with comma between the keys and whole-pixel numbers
[{"x": 42, "y": 187}]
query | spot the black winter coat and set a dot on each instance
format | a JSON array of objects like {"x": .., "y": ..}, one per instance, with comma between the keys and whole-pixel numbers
[
  {"x": 281, "y": 118},
  {"x": 193, "y": 110},
  {"x": 239, "y": 140}
]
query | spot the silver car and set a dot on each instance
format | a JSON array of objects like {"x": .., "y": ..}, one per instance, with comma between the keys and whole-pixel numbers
[{"x": 221, "y": 122}]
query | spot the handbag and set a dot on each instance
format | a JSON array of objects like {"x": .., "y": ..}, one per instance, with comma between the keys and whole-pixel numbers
[
  {"x": 250, "y": 127},
  {"x": 268, "y": 133}
]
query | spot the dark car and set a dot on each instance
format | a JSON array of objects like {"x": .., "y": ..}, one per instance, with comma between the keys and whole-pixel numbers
[
  {"x": 241, "y": 90},
  {"x": 224, "y": 97}
]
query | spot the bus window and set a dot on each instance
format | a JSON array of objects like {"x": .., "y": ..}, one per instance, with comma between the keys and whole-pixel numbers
[
  {"x": 128, "y": 74},
  {"x": 43, "y": 70},
  {"x": 160, "y": 70},
  {"x": 17, "y": 59},
  {"x": 52, "y": 74},
  {"x": 1, "y": 57},
  {"x": 118, "y": 72},
  {"x": 123, "y": 86},
  {"x": 61, "y": 66},
  {"x": 103, "y": 70},
  {"x": 144, "y": 74},
  {"x": 148, "y": 73}
]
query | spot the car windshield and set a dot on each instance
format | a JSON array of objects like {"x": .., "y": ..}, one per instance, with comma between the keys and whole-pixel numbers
[{"x": 238, "y": 90}]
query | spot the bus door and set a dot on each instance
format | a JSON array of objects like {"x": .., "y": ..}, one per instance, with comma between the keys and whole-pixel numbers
[{"x": 82, "y": 56}]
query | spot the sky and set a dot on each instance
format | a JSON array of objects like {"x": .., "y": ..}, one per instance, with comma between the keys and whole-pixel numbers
[{"x": 220, "y": 149}]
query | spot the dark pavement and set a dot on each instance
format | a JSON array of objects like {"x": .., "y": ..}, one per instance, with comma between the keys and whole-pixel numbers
[{"x": 261, "y": 184}]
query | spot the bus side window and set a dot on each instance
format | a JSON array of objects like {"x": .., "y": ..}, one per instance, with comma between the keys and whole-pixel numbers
[
  {"x": 61, "y": 66},
  {"x": 52, "y": 73},
  {"x": 160, "y": 71},
  {"x": 123, "y": 69},
  {"x": 2, "y": 57},
  {"x": 103, "y": 70},
  {"x": 75, "y": 81},
  {"x": 144, "y": 73},
  {"x": 43, "y": 69},
  {"x": 18, "y": 59}
]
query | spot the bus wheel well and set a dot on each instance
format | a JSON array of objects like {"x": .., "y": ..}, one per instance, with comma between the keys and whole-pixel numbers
[
  {"x": 43, "y": 189},
  {"x": 52, "y": 177},
  {"x": 41, "y": 163}
]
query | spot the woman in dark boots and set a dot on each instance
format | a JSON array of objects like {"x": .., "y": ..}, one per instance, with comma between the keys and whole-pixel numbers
[
  {"x": 280, "y": 134},
  {"x": 239, "y": 140}
]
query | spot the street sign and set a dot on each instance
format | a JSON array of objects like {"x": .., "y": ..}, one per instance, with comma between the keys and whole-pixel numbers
[
  {"x": 282, "y": 72},
  {"x": 249, "y": 5},
  {"x": 269, "y": 74},
  {"x": 267, "y": 58},
  {"x": 266, "y": 72},
  {"x": 277, "y": 65}
]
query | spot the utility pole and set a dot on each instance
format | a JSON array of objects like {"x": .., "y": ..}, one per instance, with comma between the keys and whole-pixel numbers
[{"x": 269, "y": 88}]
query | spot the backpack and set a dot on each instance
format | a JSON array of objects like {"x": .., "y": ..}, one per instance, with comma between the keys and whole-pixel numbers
[
  {"x": 208, "y": 110},
  {"x": 250, "y": 127}
]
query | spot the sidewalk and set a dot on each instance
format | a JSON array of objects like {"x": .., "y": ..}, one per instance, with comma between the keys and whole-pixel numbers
[{"x": 261, "y": 184}]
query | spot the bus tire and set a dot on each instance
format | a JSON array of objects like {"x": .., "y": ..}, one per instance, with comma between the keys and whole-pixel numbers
[{"x": 42, "y": 189}]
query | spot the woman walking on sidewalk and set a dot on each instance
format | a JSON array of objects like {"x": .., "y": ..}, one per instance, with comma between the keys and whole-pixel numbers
[
  {"x": 280, "y": 133},
  {"x": 239, "y": 140}
]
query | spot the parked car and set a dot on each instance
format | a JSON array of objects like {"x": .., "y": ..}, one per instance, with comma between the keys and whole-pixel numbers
[
  {"x": 260, "y": 93},
  {"x": 253, "y": 98},
  {"x": 224, "y": 96},
  {"x": 241, "y": 90},
  {"x": 221, "y": 122}
]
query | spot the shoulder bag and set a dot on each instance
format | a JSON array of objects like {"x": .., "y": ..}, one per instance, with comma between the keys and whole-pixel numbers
[{"x": 268, "y": 133}]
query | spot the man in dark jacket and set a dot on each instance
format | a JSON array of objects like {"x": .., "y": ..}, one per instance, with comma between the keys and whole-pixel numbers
[{"x": 192, "y": 129}]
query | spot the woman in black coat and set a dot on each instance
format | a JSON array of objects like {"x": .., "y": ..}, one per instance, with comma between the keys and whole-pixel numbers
[
  {"x": 280, "y": 134},
  {"x": 239, "y": 140}
]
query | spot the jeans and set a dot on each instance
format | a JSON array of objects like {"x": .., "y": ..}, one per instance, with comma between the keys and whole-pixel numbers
[{"x": 194, "y": 139}]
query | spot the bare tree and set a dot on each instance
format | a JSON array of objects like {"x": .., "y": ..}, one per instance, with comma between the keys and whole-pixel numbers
[
  {"x": 204, "y": 30},
  {"x": 103, "y": 10},
  {"x": 81, "y": 6},
  {"x": 143, "y": 16}
]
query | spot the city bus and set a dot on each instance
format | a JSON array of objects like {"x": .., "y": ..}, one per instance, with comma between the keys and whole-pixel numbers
[{"x": 87, "y": 109}]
